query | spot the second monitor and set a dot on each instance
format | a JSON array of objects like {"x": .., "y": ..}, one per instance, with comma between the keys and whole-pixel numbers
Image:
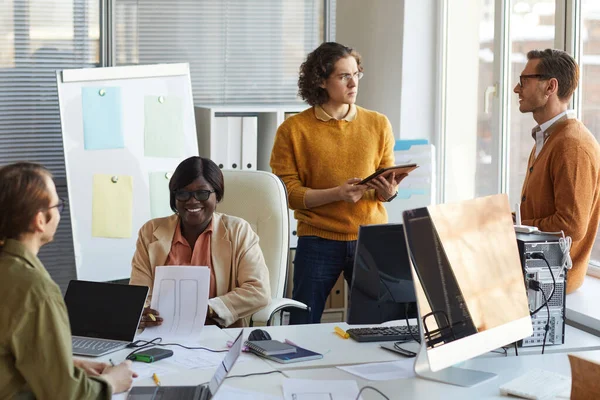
[{"x": 382, "y": 285}]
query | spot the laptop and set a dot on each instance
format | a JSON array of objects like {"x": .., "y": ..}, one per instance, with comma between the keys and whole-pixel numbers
[
  {"x": 200, "y": 392},
  {"x": 104, "y": 317}
]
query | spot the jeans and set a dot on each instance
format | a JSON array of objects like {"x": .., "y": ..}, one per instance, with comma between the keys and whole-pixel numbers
[{"x": 317, "y": 266}]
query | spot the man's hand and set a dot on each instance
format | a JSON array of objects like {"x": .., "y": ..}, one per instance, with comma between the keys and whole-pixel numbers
[
  {"x": 351, "y": 192},
  {"x": 150, "y": 318},
  {"x": 92, "y": 368}
]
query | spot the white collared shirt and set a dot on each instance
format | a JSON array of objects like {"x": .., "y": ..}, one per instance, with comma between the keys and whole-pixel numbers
[{"x": 540, "y": 130}]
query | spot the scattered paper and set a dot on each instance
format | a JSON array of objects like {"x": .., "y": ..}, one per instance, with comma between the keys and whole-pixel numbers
[
  {"x": 228, "y": 392},
  {"x": 160, "y": 205},
  {"x": 101, "y": 112},
  {"x": 383, "y": 371},
  {"x": 309, "y": 389},
  {"x": 145, "y": 370},
  {"x": 112, "y": 203},
  {"x": 163, "y": 126},
  {"x": 180, "y": 294}
]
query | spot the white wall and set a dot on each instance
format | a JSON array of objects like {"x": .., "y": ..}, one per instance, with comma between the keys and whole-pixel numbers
[{"x": 398, "y": 42}]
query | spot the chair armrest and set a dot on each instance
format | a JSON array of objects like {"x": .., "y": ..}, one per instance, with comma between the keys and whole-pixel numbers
[{"x": 264, "y": 315}]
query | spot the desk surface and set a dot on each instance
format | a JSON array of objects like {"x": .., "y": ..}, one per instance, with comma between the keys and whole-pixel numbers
[{"x": 338, "y": 352}]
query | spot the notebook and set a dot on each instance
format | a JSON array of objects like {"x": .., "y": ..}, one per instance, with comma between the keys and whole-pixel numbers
[
  {"x": 301, "y": 354},
  {"x": 269, "y": 347}
]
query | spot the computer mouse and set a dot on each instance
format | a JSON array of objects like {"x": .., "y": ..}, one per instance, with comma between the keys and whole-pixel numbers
[{"x": 259, "y": 334}]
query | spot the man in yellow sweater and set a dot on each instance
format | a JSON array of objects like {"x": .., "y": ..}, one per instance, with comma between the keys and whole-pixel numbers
[
  {"x": 560, "y": 192},
  {"x": 321, "y": 154}
]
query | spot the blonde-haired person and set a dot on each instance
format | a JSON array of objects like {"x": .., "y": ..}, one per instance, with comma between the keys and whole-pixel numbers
[
  {"x": 35, "y": 339},
  {"x": 321, "y": 154}
]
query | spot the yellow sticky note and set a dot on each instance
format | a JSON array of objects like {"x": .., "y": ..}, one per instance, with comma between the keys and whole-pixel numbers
[{"x": 112, "y": 204}]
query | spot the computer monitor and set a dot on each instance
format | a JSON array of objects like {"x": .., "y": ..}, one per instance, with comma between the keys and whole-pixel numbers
[
  {"x": 382, "y": 286},
  {"x": 469, "y": 284}
]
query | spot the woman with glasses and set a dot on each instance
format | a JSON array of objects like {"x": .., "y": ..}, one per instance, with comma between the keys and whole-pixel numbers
[
  {"x": 198, "y": 235},
  {"x": 36, "y": 355},
  {"x": 321, "y": 154}
]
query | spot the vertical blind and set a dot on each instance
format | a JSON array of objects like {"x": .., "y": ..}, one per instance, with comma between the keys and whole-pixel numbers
[
  {"x": 240, "y": 51},
  {"x": 37, "y": 37}
]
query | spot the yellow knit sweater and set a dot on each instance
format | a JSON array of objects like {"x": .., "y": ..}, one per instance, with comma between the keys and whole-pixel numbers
[
  {"x": 561, "y": 191},
  {"x": 313, "y": 154}
]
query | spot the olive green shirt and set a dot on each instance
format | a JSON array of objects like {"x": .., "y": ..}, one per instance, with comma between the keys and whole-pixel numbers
[{"x": 36, "y": 358}]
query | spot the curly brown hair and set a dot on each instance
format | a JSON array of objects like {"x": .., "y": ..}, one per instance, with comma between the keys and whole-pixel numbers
[{"x": 319, "y": 65}]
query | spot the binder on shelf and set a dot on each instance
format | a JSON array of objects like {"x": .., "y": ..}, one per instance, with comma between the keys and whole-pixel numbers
[{"x": 418, "y": 188}]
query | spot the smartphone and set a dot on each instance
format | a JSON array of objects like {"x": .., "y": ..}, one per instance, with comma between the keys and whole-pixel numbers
[
  {"x": 151, "y": 355},
  {"x": 398, "y": 349}
]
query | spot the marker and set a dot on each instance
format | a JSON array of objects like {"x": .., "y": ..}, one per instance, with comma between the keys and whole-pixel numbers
[
  {"x": 343, "y": 334},
  {"x": 155, "y": 379},
  {"x": 152, "y": 317}
]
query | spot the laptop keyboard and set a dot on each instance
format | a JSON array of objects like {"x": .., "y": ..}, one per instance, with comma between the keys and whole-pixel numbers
[
  {"x": 384, "y": 333},
  {"x": 94, "y": 346},
  {"x": 182, "y": 393}
]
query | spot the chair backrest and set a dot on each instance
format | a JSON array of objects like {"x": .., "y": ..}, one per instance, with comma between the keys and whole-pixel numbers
[{"x": 261, "y": 199}]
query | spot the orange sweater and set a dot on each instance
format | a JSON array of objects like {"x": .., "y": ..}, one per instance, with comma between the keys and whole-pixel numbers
[
  {"x": 309, "y": 153},
  {"x": 560, "y": 191}
]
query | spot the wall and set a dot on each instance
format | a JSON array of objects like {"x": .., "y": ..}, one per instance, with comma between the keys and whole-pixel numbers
[{"x": 398, "y": 42}]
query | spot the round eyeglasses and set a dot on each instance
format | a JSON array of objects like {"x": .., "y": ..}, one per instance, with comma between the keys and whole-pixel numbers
[
  {"x": 345, "y": 78},
  {"x": 60, "y": 206}
]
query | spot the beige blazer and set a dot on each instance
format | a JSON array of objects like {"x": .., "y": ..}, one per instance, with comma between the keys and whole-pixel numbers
[{"x": 241, "y": 274}]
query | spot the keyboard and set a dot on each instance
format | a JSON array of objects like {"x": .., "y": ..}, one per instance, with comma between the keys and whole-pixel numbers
[
  {"x": 94, "y": 347},
  {"x": 384, "y": 333},
  {"x": 538, "y": 384}
]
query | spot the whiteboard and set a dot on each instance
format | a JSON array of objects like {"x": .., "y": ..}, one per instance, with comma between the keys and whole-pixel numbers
[{"x": 102, "y": 258}]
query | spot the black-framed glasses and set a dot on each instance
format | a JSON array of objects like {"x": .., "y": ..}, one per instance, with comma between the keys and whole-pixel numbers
[
  {"x": 60, "y": 206},
  {"x": 537, "y": 76},
  {"x": 200, "y": 195}
]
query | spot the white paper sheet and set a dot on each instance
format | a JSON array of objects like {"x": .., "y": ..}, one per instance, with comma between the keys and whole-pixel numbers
[
  {"x": 383, "y": 371},
  {"x": 309, "y": 389},
  {"x": 227, "y": 392},
  {"x": 145, "y": 370},
  {"x": 180, "y": 295}
]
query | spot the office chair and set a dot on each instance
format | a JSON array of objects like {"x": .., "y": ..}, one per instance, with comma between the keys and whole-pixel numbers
[{"x": 261, "y": 199}]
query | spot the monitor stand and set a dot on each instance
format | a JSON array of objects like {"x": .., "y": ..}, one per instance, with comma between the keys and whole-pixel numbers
[{"x": 452, "y": 375}]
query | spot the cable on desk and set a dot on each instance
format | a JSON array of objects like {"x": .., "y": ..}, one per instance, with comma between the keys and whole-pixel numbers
[
  {"x": 258, "y": 373},
  {"x": 145, "y": 344},
  {"x": 372, "y": 388}
]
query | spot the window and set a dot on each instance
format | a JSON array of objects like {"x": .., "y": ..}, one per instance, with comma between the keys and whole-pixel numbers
[
  {"x": 37, "y": 37},
  {"x": 239, "y": 52},
  {"x": 590, "y": 83}
]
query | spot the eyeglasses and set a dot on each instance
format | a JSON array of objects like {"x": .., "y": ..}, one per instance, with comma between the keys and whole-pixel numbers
[
  {"x": 200, "y": 195},
  {"x": 60, "y": 206},
  {"x": 346, "y": 77},
  {"x": 538, "y": 76}
]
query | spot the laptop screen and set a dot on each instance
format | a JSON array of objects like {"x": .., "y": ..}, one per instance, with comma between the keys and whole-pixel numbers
[
  {"x": 226, "y": 365},
  {"x": 105, "y": 310}
]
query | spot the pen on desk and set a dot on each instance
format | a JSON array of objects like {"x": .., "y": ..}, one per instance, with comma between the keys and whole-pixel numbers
[
  {"x": 111, "y": 362},
  {"x": 155, "y": 379},
  {"x": 343, "y": 334},
  {"x": 290, "y": 343}
]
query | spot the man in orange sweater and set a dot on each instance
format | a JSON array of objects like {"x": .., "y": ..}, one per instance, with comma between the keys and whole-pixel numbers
[
  {"x": 321, "y": 154},
  {"x": 560, "y": 192}
]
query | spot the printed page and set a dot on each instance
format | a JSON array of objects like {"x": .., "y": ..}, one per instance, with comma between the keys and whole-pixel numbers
[
  {"x": 309, "y": 389},
  {"x": 180, "y": 295}
]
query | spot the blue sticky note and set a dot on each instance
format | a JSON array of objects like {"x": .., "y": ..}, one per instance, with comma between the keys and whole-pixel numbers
[{"x": 102, "y": 127}]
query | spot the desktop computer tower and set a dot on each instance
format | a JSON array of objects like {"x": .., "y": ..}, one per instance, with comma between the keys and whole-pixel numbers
[{"x": 537, "y": 274}]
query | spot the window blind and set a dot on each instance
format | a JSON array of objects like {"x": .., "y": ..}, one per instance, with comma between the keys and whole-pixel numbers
[
  {"x": 240, "y": 51},
  {"x": 37, "y": 37}
]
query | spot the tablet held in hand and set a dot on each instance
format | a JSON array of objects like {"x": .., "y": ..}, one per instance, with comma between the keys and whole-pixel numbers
[{"x": 398, "y": 169}]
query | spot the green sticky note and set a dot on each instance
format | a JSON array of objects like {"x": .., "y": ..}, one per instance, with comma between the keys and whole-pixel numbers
[
  {"x": 163, "y": 126},
  {"x": 112, "y": 204},
  {"x": 159, "y": 194}
]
